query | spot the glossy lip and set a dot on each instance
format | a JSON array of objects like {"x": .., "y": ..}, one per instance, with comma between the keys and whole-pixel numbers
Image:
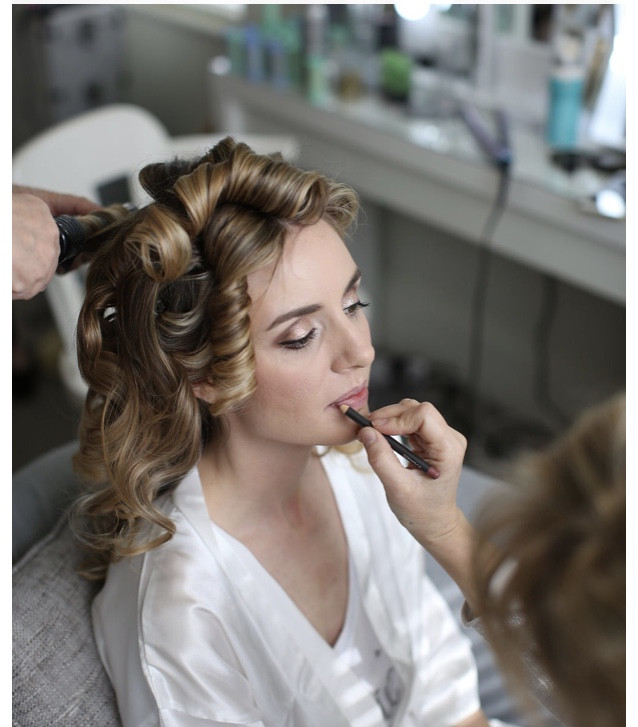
[{"x": 356, "y": 398}]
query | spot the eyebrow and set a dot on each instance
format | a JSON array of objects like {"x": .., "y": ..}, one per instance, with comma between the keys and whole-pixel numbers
[{"x": 308, "y": 309}]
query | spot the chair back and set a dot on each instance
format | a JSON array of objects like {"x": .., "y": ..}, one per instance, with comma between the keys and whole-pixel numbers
[{"x": 97, "y": 155}]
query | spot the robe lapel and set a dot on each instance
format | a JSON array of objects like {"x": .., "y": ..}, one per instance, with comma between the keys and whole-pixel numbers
[
  {"x": 307, "y": 663},
  {"x": 375, "y": 567}
]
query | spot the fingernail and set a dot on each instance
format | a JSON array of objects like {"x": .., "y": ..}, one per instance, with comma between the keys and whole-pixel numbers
[{"x": 380, "y": 422}]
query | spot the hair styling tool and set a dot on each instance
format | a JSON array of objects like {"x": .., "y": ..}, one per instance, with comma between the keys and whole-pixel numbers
[
  {"x": 496, "y": 147},
  {"x": 74, "y": 231}
]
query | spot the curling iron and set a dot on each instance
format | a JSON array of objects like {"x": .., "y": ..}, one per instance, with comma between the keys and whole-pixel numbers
[
  {"x": 74, "y": 232},
  {"x": 496, "y": 146}
]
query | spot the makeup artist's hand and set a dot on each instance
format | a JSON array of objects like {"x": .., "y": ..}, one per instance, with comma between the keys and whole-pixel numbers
[
  {"x": 36, "y": 240},
  {"x": 426, "y": 507}
]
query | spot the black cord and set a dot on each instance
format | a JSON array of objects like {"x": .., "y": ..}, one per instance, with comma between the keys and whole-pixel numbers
[
  {"x": 479, "y": 299},
  {"x": 541, "y": 338}
]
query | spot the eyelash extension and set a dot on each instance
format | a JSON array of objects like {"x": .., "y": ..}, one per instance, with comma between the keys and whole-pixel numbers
[{"x": 351, "y": 310}]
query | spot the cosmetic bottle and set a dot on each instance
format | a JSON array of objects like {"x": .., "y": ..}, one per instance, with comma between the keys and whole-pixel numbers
[
  {"x": 566, "y": 84},
  {"x": 316, "y": 19},
  {"x": 276, "y": 70},
  {"x": 362, "y": 28},
  {"x": 348, "y": 82},
  {"x": 235, "y": 51},
  {"x": 396, "y": 71},
  {"x": 254, "y": 50},
  {"x": 292, "y": 40}
]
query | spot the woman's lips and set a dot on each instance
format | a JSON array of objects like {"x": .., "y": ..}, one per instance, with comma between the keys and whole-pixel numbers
[{"x": 356, "y": 398}]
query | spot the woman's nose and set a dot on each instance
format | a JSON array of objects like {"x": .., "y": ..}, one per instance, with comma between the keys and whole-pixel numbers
[{"x": 354, "y": 346}]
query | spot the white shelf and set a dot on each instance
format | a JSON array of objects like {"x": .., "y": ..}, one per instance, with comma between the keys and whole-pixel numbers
[{"x": 434, "y": 172}]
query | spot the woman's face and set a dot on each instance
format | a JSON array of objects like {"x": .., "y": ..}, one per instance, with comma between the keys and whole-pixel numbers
[{"x": 312, "y": 343}]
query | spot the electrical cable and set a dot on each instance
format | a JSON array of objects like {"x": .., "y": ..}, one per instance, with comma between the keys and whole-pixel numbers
[
  {"x": 498, "y": 150},
  {"x": 479, "y": 298},
  {"x": 541, "y": 337}
]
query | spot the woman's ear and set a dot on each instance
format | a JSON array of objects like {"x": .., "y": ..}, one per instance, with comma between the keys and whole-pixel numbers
[{"x": 205, "y": 391}]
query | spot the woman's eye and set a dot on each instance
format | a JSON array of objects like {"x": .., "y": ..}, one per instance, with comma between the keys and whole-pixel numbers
[
  {"x": 352, "y": 310},
  {"x": 298, "y": 343}
]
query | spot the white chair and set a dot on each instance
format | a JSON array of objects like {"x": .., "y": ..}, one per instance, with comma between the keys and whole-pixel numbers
[{"x": 90, "y": 152}]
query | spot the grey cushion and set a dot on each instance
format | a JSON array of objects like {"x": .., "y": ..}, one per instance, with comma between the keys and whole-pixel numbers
[
  {"x": 42, "y": 490},
  {"x": 58, "y": 678}
]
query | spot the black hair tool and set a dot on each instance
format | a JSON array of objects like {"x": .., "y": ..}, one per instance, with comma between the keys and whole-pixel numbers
[
  {"x": 496, "y": 147},
  {"x": 73, "y": 235}
]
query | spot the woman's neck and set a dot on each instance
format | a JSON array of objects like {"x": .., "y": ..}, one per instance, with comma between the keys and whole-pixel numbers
[
  {"x": 263, "y": 481},
  {"x": 277, "y": 501}
]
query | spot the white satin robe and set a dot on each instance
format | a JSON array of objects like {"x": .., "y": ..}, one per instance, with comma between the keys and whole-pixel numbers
[{"x": 195, "y": 633}]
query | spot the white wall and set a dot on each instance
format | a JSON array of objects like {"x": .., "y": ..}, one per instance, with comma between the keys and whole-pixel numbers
[
  {"x": 168, "y": 65},
  {"x": 426, "y": 302}
]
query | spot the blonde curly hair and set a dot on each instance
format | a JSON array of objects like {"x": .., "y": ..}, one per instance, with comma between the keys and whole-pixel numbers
[
  {"x": 560, "y": 540},
  {"x": 167, "y": 307}
]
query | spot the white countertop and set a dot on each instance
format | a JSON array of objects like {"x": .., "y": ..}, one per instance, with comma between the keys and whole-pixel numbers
[{"x": 433, "y": 170}]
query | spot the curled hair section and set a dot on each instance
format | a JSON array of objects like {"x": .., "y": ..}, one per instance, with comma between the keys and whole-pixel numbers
[{"x": 166, "y": 308}]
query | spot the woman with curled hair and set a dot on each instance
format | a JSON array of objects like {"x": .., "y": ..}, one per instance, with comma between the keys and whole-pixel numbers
[{"x": 254, "y": 574}]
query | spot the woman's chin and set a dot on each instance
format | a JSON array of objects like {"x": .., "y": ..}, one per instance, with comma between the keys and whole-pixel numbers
[{"x": 343, "y": 440}]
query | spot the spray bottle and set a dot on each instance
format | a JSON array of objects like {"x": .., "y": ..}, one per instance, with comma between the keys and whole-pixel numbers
[{"x": 566, "y": 85}]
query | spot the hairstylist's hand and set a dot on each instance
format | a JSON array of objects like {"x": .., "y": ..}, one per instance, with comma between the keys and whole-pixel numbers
[{"x": 36, "y": 245}]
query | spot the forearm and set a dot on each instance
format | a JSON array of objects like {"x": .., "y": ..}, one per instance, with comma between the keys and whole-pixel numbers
[{"x": 453, "y": 551}]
